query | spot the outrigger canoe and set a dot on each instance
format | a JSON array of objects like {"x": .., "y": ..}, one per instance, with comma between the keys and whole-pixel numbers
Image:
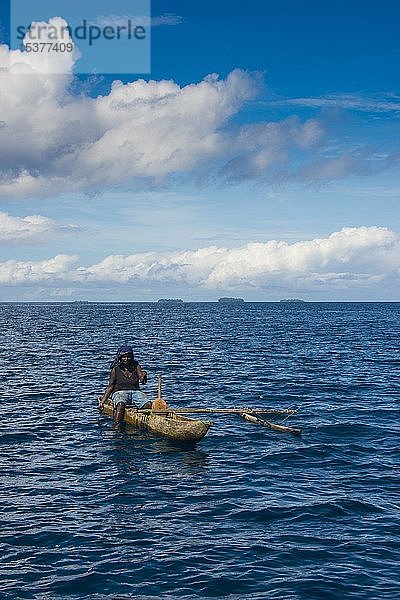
[{"x": 169, "y": 424}]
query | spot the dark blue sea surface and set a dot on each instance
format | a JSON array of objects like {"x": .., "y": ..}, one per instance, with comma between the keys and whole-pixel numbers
[{"x": 92, "y": 511}]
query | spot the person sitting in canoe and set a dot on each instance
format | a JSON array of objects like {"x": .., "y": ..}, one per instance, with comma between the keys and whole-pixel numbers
[{"x": 126, "y": 374}]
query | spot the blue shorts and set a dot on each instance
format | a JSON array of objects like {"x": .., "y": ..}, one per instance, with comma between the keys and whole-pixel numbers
[{"x": 129, "y": 398}]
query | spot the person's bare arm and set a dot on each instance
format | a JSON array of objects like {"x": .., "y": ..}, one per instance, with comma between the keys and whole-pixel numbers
[
  {"x": 109, "y": 389},
  {"x": 141, "y": 373}
]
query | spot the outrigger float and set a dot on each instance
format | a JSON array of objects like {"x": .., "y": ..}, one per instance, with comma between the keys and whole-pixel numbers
[{"x": 170, "y": 423}]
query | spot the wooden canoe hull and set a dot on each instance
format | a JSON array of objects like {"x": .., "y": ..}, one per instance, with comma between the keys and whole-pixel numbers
[{"x": 169, "y": 425}]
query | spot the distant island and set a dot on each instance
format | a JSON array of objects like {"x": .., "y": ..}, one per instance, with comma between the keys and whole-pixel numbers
[
  {"x": 170, "y": 301},
  {"x": 230, "y": 300},
  {"x": 295, "y": 300}
]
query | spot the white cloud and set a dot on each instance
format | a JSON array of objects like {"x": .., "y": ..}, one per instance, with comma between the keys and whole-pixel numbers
[
  {"x": 137, "y": 20},
  {"x": 30, "y": 228},
  {"x": 258, "y": 149},
  {"x": 357, "y": 102},
  {"x": 45, "y": 63},
  {"x": 166, "y": 19},
  {"x": 144, "y": 133},
  {"x": 325, "y": 168},
  {"x": 20, "y": 272},
  {"x": 52, "y": 141},
  {"x": 354, "y": 256}
]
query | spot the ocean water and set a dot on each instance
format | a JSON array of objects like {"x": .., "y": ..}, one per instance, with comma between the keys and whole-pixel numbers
[{"x": 91, "y": 511}]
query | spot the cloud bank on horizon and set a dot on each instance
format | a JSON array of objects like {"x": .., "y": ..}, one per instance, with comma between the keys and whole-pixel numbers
[
  {"x": 366, "y": 256},
  {"x": 52, "y": 141}
]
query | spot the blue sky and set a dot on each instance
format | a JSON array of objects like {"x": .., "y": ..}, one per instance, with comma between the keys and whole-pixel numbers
[{"x": 259, "y": 158}]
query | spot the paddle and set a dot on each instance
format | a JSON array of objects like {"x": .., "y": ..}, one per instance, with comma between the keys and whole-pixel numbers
[{"x": 159, "y": 404}]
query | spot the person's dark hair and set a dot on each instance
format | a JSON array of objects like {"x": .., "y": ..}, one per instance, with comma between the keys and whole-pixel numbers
[{"x": 122, "y": 350}]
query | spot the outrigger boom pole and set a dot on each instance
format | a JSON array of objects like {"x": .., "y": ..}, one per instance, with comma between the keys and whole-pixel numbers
[{"x": 233, "y": 411}]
